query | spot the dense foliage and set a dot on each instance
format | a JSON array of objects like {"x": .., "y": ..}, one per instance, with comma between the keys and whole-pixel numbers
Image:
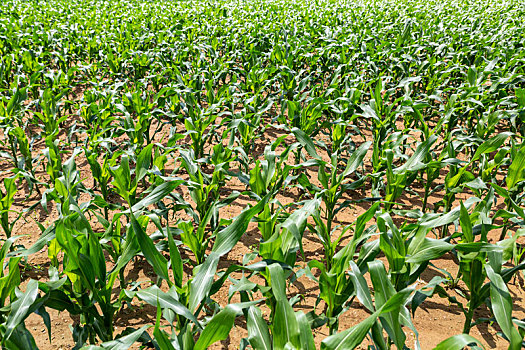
[{"x": 142, "y": 124}]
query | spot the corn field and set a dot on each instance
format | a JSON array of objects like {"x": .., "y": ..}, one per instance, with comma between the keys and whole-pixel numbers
[{"x": 262, "y": 174}]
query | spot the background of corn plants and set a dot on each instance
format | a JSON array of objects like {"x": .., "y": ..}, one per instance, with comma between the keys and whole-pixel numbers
[{"x": 262, "y": 174}]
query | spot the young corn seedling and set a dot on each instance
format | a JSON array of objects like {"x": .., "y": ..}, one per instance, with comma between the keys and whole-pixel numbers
[
  {"x": 204, "y": 189},
  {"x": 13, "y": 125},
  {"x": 408, "y": 249},
  {"x": 268, "y": 177},
  {"x": 305, "y": 115},
  {"x": 7, "y": 197},
  {"x": 88, "y": 289},
  {"x": 51, "y": 116},
  {"x": 478, "y": 260},
  {"x": 337, "y": 290},
  {"x": 247, "y": 126},
  {"x": 102, "y": 177},
  {"x": 458, "y": 177},
  {"x": 287, "y": 237},
  {"x": 67, "y": 186},
  {"x": 381, "y": 161},
  {"x": 12, "y": 109},
  {"x": 339, "y": 136},
  {"x": 126, "y": 181},
  {"x": 272, "y": 173},
  {"x": 221, "y": 159},
  {"x": 199, "y": 124},
  {"x": 334, "y": 186},
  {"x": 382, "y": 117},
  {"x": 54, "y": 158},
  {"x": 137, "y": 108},
  {"x": 96, "y": 115},
  {"x": 288, "y": 329},
  {"x": 514, "y": 183},
  {"x": 23, "y": 165},
  {"x": 389, "y": 313},
  {"x": 402, "y": 176}
]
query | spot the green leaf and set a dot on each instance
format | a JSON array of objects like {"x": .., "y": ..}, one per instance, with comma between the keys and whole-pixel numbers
[
  {"x": 20, "y": 308},
  {"x": 203, "y": 280},
  {"x": 383, "y": 291},
  {"x": 176, "y": 261},
  {"x": 143, "y": 162},
  {"x": 228, "y": 237},
  {"x": 154, "y": 296},
  {"x": 501, "y": 302},
  {"x": 466, "y": 224},
  {"x": 428, "y": 250},
  {"x": 152, "y": 255},
  {"x": 296, "y": 222},
  {"x": 516, "y": 172},
  {"x": 163, "y": 340},
  {"x": 47, "y": 236},
  {"x": 285, "y": 326},
  {"x": 491, "y": 145},
  {"x": 122, "y": 343},
  {"x": 447, "y": 218},
  {"x": 476, "y": 247},
  {"x": 415, "y": 162},
  {"x": 217, "y": 329},
  {"x": 277, "y": 281},
  {"x": 306, "y": 335},
  {"x": 350, "y": 338},
  {"x": 361, "y": 287},
  {"x": 356, "y": 159},
  {"x": 472, "y": 76},
  {"x": 156, "y": 195},
  {"x": 129, "y": 250},
  {"x": 122, "y": 178},
  {"x": 20, "y": 339},
  {"x": 258, "y": 333},
  {"x": 458, "y": 342},
  {"x": 306, "y": 142},
  {"x": 220, "y": 325}
]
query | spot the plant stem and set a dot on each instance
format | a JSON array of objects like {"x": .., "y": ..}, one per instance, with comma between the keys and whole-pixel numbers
[
  {"x": 505, "y": 222},
  {"x": 427, "y": 191},
  {"x": 468, "y": 321}
]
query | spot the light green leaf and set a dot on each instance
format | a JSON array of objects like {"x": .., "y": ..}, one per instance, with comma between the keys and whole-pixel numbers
[
  {"x": 458, "y": 342},
  {"x": 258, "y": 333},
  {"x": 152, "y": 255},
  {"x": 501, "y": 302}
]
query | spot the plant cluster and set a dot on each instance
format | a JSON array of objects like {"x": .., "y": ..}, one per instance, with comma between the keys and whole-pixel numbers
[{"x": 141, "y": 125}]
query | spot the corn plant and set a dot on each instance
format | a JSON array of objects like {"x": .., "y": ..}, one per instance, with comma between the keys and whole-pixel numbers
[
  {"x": 18, "y": 305},
  {"x": 335, "y": 286},
  {"x": 287, "y": 329},
  {"x": 6, "y": 201},
  {"x": 387, "y": 314},
  {"x": 335, "y": 184},
  {"x": 88, "y": 289}
]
